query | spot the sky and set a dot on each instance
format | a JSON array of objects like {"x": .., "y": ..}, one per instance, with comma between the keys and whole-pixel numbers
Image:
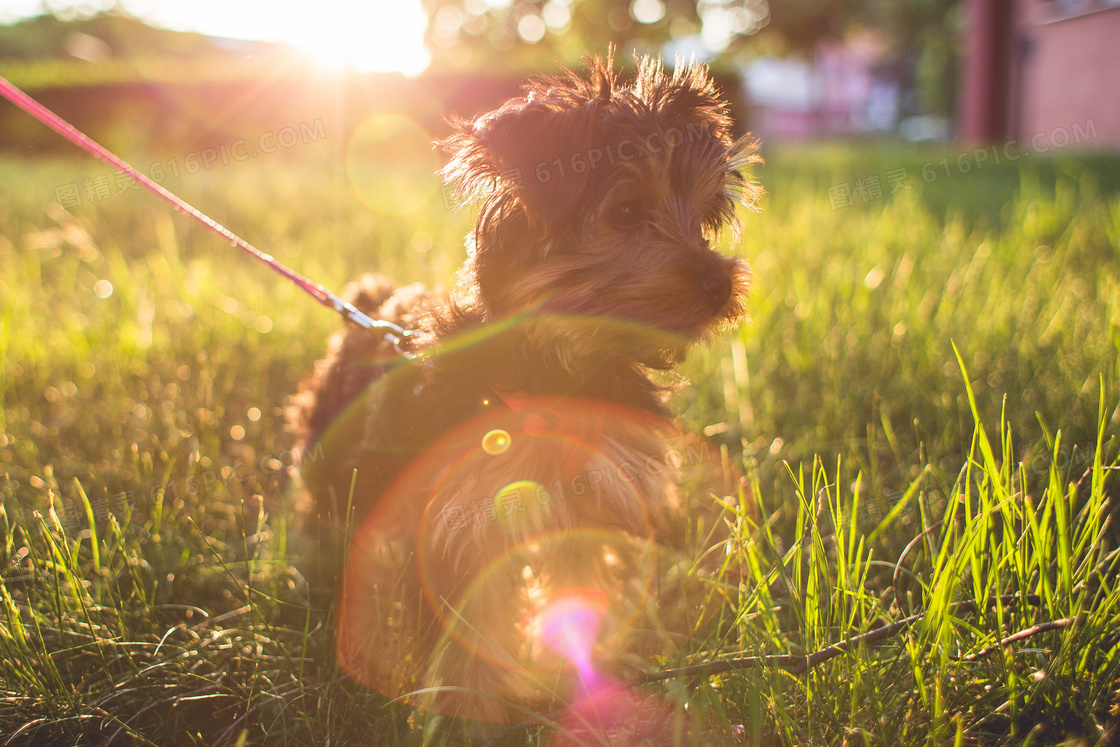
[{"x": 374, "y": 35}]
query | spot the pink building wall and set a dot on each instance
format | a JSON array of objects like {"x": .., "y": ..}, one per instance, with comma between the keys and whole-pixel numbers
[
  {"x": 1045, "y": 73},
  {"x": 1065, "y": 73}
]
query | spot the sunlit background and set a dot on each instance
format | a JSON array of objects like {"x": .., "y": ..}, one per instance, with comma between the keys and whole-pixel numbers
[
  {"x": 370, "y": 37},
  {"x": 389, "y": 36},
  {"x": 977, "y": 70}
]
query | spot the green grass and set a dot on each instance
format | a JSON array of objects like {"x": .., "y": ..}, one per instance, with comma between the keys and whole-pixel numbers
[{"x": 149, "y": 581}]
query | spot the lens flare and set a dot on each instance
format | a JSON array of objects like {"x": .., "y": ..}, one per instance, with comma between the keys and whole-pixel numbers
[
  {"x": 469, "y": 551},
  {"x": 608, "y": 710},
  {"x": 569, "y": 625},
  {"x": 519, "y": 498},
  {"x": 601, "y": 705},
  {"x": 392, "y": 166},
  {"x": 496, "y": 441}
]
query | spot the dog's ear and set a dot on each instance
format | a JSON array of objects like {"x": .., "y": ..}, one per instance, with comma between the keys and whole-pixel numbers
[{"x": 534, "y": 149}]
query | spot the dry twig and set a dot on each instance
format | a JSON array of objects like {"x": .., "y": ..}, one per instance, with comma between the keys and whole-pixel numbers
[{"x": 799, "y": 664}]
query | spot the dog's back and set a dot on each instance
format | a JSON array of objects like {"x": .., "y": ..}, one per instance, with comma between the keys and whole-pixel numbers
[{"x": 325, "y": 413}]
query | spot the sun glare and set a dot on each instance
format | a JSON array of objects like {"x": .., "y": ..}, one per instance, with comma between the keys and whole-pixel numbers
[
  {"x": 374, "y": 37},
  {"x": 370, "y": 36}
]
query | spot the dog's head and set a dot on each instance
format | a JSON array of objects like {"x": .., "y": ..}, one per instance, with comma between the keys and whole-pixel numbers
[{"x": 599, "y": 203}]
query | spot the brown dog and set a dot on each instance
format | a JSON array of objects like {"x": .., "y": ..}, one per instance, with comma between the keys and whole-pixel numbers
[{"x": 497, "y": 473}]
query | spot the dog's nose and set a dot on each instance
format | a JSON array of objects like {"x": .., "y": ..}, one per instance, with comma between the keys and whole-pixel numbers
[{"x": 716, "y": 289}]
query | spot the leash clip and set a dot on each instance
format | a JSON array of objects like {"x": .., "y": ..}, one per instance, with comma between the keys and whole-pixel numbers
[{"x": 393, "y": 334}]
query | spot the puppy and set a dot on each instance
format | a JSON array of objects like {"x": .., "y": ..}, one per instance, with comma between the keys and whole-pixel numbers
[{"x": 499, "y": 476}]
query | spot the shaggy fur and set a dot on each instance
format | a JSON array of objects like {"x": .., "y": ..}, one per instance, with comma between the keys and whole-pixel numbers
[{"x": 495, "y": 471}]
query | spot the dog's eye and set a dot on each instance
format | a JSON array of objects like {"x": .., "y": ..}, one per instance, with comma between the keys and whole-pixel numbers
[{"x": 627, "y": 215}]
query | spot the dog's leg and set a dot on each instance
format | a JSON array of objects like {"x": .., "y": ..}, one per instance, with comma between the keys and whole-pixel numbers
[{"x": 480, "y": 663}]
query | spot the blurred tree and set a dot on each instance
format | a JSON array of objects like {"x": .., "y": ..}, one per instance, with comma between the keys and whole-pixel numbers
[
  {"x": 799, "y": 24},
  {"x": 52, "y": 37},
  {"x": 532, "y": 34},
  {"x": 921, "y": 36},
  {"x": 924, "y": 38}
]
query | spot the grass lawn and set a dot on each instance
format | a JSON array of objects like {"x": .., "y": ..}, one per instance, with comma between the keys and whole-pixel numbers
[{"x": 919, "y": 426}]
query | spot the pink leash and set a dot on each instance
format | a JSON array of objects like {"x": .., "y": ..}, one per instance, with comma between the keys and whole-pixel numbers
[{"x": 392, "y": 333}]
